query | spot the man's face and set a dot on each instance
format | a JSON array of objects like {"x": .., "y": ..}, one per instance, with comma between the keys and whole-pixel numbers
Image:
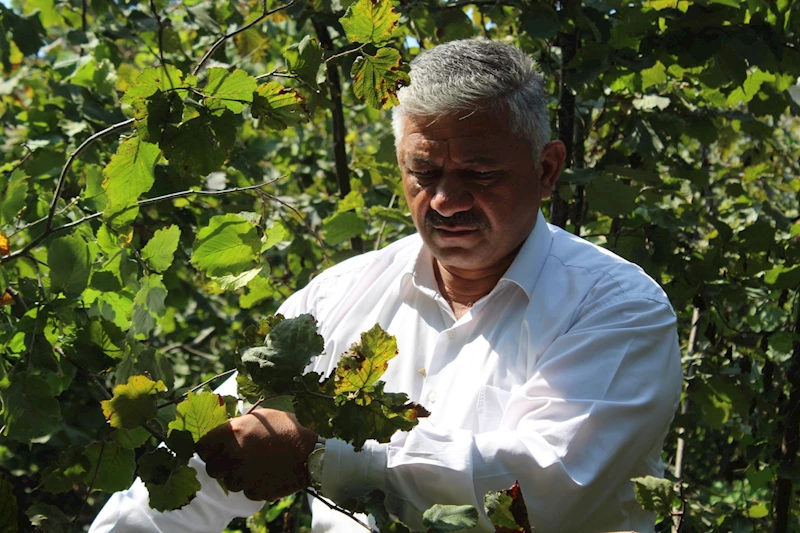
[{"x": 472, "y": 185}]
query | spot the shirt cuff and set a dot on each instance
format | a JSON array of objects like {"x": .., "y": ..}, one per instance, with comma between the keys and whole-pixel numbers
[{"x": 348, "y": 474}]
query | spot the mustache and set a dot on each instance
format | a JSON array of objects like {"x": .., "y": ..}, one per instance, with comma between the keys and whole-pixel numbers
[{"x": 461, "y": 219}]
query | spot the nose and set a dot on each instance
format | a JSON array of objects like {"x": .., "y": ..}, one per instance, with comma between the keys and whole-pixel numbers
[{"x": 451, "y": 196}]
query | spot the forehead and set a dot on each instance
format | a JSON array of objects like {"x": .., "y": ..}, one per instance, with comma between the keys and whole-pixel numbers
[{"x": 474, "y": 135}]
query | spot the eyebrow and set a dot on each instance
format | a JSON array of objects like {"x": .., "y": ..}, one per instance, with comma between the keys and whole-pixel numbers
[
  {"x": 420, "y": 160},
  {"x": 480, "y": 160}
]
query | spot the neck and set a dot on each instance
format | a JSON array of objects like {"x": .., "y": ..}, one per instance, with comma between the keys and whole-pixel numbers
[{"x": 463, "y": 287}]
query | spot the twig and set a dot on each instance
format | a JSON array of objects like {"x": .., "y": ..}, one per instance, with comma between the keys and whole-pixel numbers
[
  {"x": 140, "y": 203},
  {"x": 23, "y": 160},
  {"x": 275, "y": 73},
  {"x": 346, "y": 52},
  {"x": 160, "y": 31},
  {"x": 63, "y": 177},
  {"x": 18, "y": 299},
  {"x": 383, "y": 225},
  {"x": 83, "y": 18},
  {"x": 333, "y": 506},
  {"x": 195, "y": 388},
  {"x": 66, "y": 208},
  {"x": 221, "y": 40},
  {"x": 255, "y": 405},
  {"x": 90, "y": 486},
  {"x": 42, "y": 298},
  {"x": 302, "y": 220}
]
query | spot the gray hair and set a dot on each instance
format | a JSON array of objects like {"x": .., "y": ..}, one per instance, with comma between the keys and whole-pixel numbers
[{"x": 466, "y": 75}]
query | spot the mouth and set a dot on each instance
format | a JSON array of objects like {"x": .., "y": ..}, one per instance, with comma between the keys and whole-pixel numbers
[{"x": 455, "y": 231}]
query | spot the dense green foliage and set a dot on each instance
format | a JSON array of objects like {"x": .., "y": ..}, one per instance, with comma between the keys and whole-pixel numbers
[{"x": 171, "y": 171}]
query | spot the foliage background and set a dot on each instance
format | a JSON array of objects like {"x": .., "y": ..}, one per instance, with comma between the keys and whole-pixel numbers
[{"x": 681, "y": 119}]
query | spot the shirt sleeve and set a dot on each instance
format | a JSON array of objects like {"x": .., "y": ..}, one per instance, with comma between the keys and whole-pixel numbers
[{"x": 598, "y": 402}]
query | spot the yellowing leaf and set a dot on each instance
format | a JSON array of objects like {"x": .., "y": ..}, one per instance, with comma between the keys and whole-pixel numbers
[
  {"x": 228, "y": 245},
  {"x": 134, "y": 403},
  {"x": 377, "y": 78},
  {"x": 363, "y": 365},
  {"x": 127, "y": 176},
  {"x": 160, "y": 250},
  {"x": 199, "y": 413},
  {"x": 4, "y": 244},
  {"x": 278, "y": 107},
  {"x": 370, "y": 21},
  {"x": 229, "y": 89},
  {"x": 654, "y": 75}
]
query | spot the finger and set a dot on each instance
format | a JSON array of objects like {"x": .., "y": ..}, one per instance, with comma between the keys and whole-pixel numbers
[
  {"x": 218, "y": 467},
  {"x": 233, "y": 483},
  {"x": 208, "y": 449},
  {"x": 254, "y": 494}
]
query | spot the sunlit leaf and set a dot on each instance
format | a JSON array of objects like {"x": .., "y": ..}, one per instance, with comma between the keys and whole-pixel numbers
[
  {"x": 368, "y": 21},
  {"x": 377, "y": 78},
  {"x": 199, "y": 413},
  {"x": 446, "y": 518},
  {"x": 361, "y": 367},
  {"x": 227, "y": 245},
  {"x": 133, "y": 403},
  {"x": 305, "y": 61},
  {"x": 229, "y": 89},
  {"x": 159, "y": 251},
  {"x": 13, "y": 197},
  {"x": 127, "y": 176},
  {"x": 278, "y": 107},
  {"x": 343, "y": 226}
]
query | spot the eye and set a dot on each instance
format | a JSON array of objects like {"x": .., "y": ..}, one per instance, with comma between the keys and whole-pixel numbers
[
  {"x": 484, "y": 176},
  {"x": 423, "y": 175}
]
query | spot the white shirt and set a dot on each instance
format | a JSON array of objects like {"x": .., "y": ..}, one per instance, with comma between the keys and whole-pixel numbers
[{"x": 565, "y": 377}]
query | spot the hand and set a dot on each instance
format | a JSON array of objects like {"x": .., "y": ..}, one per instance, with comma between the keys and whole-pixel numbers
[{"x": 263, "y": 453}]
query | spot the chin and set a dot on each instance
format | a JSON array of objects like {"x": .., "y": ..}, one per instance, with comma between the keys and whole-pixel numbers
[{"x": 462, "y": 258}]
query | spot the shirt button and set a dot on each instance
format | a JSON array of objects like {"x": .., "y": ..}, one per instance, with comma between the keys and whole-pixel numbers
[
  {"x": 451, "y": 334},
  {"x": 432, "y": 397}
]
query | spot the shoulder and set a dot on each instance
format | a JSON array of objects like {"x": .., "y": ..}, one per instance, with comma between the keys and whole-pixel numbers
[
  {"x": 599, "y": 276},
  {"x": 365, "y": 269}
]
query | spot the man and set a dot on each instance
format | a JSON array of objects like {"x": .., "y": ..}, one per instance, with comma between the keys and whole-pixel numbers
[{"x": 542, "y": 358}]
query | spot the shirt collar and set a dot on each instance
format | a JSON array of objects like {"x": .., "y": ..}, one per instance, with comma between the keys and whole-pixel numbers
[
  {"x": 528, "y": 264},
  {"x": 524, "y": 270}
]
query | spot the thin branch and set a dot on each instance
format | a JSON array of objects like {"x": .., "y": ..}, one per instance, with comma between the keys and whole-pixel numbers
[
  {"x": 23, "y": 160},
  {"x": 255, "y": 405},
  {"x": 302, "y": 219},
  {"x": 333, "y": 506},
  {"x": 275, "y": 73},
  {"x": 160, "y": 31},
  {"x": 83, "y": 15},
  {"x": 346, "y": 52},
  {"x": 383, "y": 225},
  {"x": 221, "y": 40},
  {"x": 195, "y": 388},
  {"x": 90, "y": 486},
  {"x": 140, "y": 203},
  {"x": 63, "y": 177}
]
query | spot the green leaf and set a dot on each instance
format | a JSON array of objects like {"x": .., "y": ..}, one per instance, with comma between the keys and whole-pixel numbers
[
  {"x": 360, "y": 368},
  {"x": 446, "y": 518},
  {"x": 315, "y": 411},
  {"x": 758, "y": 511},
  {"x": 133, "y": 403},
  {"x": 783, "y": 277},
  {"x": 343, "y": 226},
  {"x": 70, "y": 265},
  {"x": 287, "y": 350},
  {"x": 29, "y": 409},
  {"x": 228, "y": 245},
  {"x": 171, "y": 485},
  {"x": 229, "y": 89},
  {"x": 201, "y": 145},
  {"x": 129, "y": 174},
  {"x": 276, "y": 233},
  {"x": 199, "y": 413},
  {"x": 130, "y": 438},
  {"x": 498, "y": 509},
  {"x": 8, "y": 506},
  {"x": 258, "y": 290},
  {"x": 181, "y": 443},
  {"x": 370, "y": 21},
  {"x": 540, "y": 21},
  {"x": 13, "y": 197},
  {"x": 148, "y": 305},
  {"x": 611, "y": 197},
  {"x": 179, "y": 490},
  {"x": 655, "y": 75},
  {"x": 305, "y": 61},
  {"x": 230, "y": 282},
  {"x": 111, "y": 466},
  {"x": 654, "y": 494},
  {"x": 278, "y": 107},
  {"x": 47, "y": 518},
  {"x": 377, "y": 78},
  {"x": 159, "y": 251},
  {"x": 155, "y": 113},
  {"x": 164, "y": 78}
]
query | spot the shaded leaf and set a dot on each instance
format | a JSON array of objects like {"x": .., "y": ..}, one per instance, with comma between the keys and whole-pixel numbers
[
  {"x": 178, "y": 491},
  {"x": 343, "y": 226},
  {"x": 287, "y": 350},
  {"x": 70, "y": 265},
  {"x": 148, "y": 305},
  {"x": 69, "y": 470},
  {"x": 12, "y": 197},
  {"x": 8, "y": 506},
  {"x": 201, "y": 145},
  {"x": 111, "y": 466},
  {"x": 611, "y": 197},
  {"x": 133, "y": 403},
  {"x": 305, "y": 61},
  {"x": 445, "y": 518},
  {"x": 654, "y": 494},
  {"x": 130, "y": 438},
  {"x": 30, "y": 410}
]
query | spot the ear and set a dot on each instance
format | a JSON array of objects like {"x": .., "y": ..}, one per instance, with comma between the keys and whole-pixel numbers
[{"x": 551, "y": 161}]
